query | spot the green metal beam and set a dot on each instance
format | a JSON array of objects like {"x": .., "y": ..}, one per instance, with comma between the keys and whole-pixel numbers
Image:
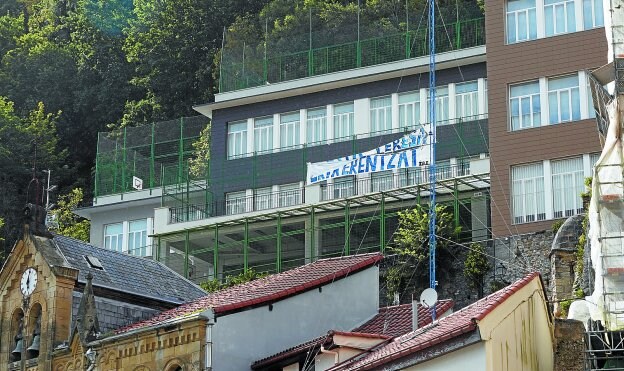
[
  {"x": 382, "y": 225},
  {"x": 347, "y": 229},
  {"x": 246, "y": 246},
  {"x": 186, "y": 254},
  {"x": 279, "y": 243}
]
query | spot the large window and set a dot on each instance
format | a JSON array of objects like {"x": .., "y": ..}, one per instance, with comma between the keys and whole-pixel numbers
[
  {"x": 409, "y": 110},
  {"x": 559, "y": 17},
  {"x": 567, "y": 183},
  {"x": 466, "y": 100},
  {"x": 289, "y": 130},
  {"x": 113, "y": 236},
  {"x": 343, "y": 121},
  {"x": 317, "y": 126},
  {"x": 263, "y": 198},
  {"x": 263, "y": 135},
  {"x": 528, "y": 193},
  {"x": 521, "y": 21},
  {"x": 382, "y": 181},
  {"x": 289, "y": 195},
  {"x": 564, "y": 99},
  {"x": 524, "y": 105},
  {"x": 381, "y": 114},
  {"x": 137, "y": 237},
  {"x": 593, "y": 14},
  {"x": 235, "y": 203},
  {"x": 442, "y": 105},
  {"x": 237, "y": 139}
]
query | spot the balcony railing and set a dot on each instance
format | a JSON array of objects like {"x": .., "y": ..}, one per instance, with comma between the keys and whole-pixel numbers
[
  {"x": 342, "y": 189},
  {"x": 237, "y": 205},
  {"x": 248, "y": 72}
]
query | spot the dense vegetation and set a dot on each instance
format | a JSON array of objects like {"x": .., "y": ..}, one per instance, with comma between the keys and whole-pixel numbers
[{"x": 72, "y": 68}]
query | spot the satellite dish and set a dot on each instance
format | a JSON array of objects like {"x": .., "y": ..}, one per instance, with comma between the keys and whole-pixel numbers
[{"x": 428, "y": 298}]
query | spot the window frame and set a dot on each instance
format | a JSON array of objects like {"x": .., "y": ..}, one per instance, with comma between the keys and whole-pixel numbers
[
  {"x": 119, "y": 237},
  {"x": 240, "y": 136}
]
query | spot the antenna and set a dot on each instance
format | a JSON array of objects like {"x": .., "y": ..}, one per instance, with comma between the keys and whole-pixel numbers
[
  {"x": 429, "y": 298},
  {"x": 432, "y": 148}
]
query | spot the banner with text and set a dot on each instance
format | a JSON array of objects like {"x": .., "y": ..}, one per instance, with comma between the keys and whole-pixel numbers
[{"x": 411, "y": 150}]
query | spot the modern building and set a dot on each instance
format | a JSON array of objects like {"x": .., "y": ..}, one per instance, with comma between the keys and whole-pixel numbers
[
  {"x": 543, "y": 136},
  {"x": 515, "y": 139}
]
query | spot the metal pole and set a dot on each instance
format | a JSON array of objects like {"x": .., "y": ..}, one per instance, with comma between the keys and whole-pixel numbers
[
  {"x": 382, "y": 224},
  {"x": 215, "y": 253},
  {"x": 359, "y": 47},
  {"x": 152, "y": 163},
  {"x": 186, "y": 254},
  {"x": 347, "y": 227},
  {"x": 432, "y": 146},
  {"x": 279, "y": 243},
  {"x": 312, "y": 235},
  {"x": 246, "y": 246},
  {"x": 221, "y": 62}
]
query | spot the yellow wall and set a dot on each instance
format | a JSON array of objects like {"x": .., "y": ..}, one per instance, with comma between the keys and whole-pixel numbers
[
  {"x": 52, "y": 296},
  {"x": 146, "y": 351},
  {"x": 518, "y": 334}
]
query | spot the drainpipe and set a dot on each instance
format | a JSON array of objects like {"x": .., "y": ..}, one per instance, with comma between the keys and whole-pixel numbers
[{"x": 336, "y": 358}]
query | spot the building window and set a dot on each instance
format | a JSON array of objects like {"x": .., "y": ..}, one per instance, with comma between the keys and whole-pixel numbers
[
  {"x": 263, "y": 135},
  {"x": 521, "y": 21},
  {"x": 381, "y": 114},
  {"x": 113, "y": 236},
  {"x": 524, "y": 105},
  {"x": 411, "y": 176},
  {"x": 567, "y": 183},
  {"x": 382, "y": 181},
  {"x": 343, "y": 121},
  {"x": 263, "y": 198},
  {"x": 290, "y": 130},
  {"x": 593, "y": 14},
  {"x": 289, "y": 195},
  {"x": 563, "y": 99},
  {"x": 559, "y": 17},
  {"x": 467, "y": 100},
  {"x": 409, "y": 110},
  {"x": 317, "y": 126},
  {"x": 528, "y": 193},
  {"x": 442, "y": 105},
  {"x": 137, "y": 237},
  {"x": 237, "y": 139},
  {"x": 235, "y": 203},
  {"x": 485, "y": 96}
]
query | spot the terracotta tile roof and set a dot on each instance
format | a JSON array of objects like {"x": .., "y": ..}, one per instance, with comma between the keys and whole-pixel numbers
[
  {"x": 311, "y": 344},
  {"x": 458, "y": 323},
  {"x": 397, "y": 320},
  {"x": 269, "y": 289}
]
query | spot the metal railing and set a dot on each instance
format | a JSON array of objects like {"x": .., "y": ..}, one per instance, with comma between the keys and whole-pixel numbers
[
  {"x": 237, "y": 205},
  {"x": 257, "y": 71},
  {"x": 415, "y": 176}
]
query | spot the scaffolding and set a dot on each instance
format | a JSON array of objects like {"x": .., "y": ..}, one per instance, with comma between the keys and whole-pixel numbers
[
  {"x": 145, "y": 152},
  {"x": 323, "y": 48}
]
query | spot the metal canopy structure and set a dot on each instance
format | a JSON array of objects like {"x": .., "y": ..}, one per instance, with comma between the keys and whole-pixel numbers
[{"x": 284, "y": 238}]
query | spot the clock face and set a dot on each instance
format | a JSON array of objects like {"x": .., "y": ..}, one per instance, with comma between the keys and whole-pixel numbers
[{"x": 29, "y": 281}]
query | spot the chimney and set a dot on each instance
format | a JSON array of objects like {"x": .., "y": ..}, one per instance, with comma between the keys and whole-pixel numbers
[{"x": 414, "y": 313}]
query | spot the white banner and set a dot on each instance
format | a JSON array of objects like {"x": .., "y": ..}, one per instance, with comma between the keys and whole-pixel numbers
[{"x": 411, "y": 150}]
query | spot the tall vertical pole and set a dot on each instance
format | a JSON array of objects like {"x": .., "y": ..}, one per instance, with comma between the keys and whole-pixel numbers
[{"x": 432, "y": 147}]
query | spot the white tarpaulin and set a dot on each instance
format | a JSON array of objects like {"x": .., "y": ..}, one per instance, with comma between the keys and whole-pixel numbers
[{"x": 411, "y": 150}]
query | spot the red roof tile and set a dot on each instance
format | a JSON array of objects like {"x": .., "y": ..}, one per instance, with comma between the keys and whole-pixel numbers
[
  {"x": 458, "y": 323},
  {"x": 269, "y": 289},
  {"x": 397, "y": 320}
]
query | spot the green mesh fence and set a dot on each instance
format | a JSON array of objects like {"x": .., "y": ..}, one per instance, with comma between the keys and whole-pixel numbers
[
  {"x": 144, "y": 152},
  {"x": 248, "y": 64}
]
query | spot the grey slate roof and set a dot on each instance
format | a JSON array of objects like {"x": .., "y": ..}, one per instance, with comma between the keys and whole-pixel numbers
[{"x": 123, "y": 273}]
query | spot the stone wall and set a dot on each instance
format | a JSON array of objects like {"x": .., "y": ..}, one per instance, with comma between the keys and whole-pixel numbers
[
  {"x": 569, "y": 345},
  {"x": 563, "y": 260},
  {"x": 518, "y": 255}
]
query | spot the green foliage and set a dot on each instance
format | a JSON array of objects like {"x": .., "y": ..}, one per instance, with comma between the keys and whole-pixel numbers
[
  {"x": 214, "y": 285},
  {"x": 393, "y": 277},
  {"x": 412, "y": 237},
  {"x": 198, "y": 164},
  {"x": 557, "y": 224},
  {"x": 66, "y": 222},
  {"x": 411, "y": 244},
  {"x": 476, "y": 266},
  {"x": 588, "y": 187},
  {"x": 496, "y": 285},
  {"x": 564, "y": 307}
]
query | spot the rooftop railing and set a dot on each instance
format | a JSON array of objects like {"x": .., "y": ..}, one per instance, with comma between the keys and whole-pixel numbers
[{"x": 251, "y": 71}]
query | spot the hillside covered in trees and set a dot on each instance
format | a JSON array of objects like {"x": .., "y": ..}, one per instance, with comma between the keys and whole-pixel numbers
[{"x": 72, "y": 68}]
